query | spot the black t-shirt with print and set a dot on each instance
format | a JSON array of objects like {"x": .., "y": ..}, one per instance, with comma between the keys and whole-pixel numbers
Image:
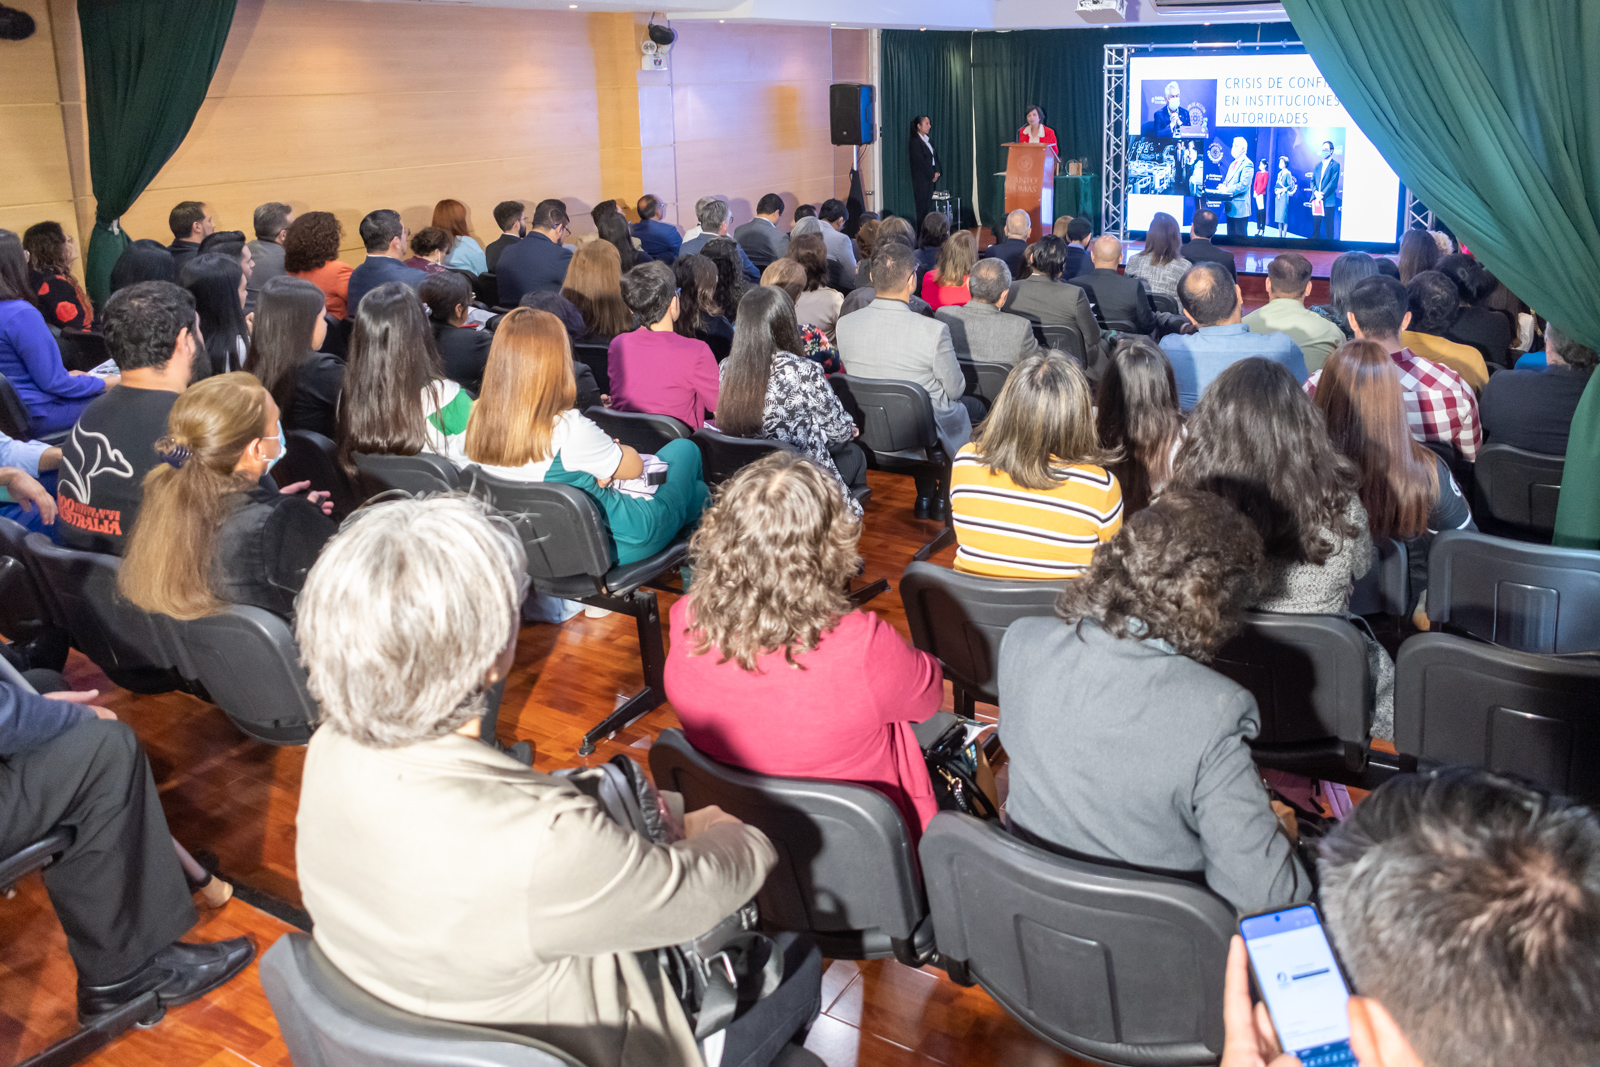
[{"x": 103, "y": 464}]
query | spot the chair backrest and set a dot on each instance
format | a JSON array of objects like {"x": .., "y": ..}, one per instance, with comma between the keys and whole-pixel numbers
[
  {"x": 1116, "y": 965},
  {"x": 314, "y": 458},
  {"x": 247, "y": 660},
  {"x": 1457, "y": 700},
  {"x": 24, "y": 606},
  {"x": 425, "y": 472},
  {"x": 1386, "y": 588},
  {"x": 82, "y": 350},
  {"x": 1533, "y": 598},
  {"x": 14, "y": 419},
  {"x": 1518, "y": 489},
  {"x": 563, "y": 530},
  {"x": 845, "y": 862},
  {"x": 598, "y": 359},
  {"x": 1308, "y": 673},
  {"x": 329, "y": 1021},
  {"x": 895, "y": 418},
  {"x": 1165, "y": 302},
  {"x": 960, "y": 619},
  {"x": 486, "y": 288},
  {"x": 722, "y": 455},
  {"x": 133, "y": 647},
  {"x": 640, "y": 431},
  {"x": 1063, "y": 337},
  {"x": 985, "y": 379}
]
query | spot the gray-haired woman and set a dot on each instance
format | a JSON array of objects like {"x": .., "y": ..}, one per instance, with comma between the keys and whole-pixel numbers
[{"x": 450, "y": 880}]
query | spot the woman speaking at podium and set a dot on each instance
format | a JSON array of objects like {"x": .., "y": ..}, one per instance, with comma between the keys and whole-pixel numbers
[{"x": 1034, "y": 131}]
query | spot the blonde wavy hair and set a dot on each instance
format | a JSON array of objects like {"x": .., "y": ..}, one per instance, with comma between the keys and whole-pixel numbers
[{"x": 771, "y": 560}]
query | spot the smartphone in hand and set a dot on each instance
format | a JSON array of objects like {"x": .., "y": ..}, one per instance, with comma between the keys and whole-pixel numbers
[{"x": 1295, "y": 971}]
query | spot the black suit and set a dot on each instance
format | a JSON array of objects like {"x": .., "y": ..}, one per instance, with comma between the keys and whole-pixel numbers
[
  {"x": 1164, "y": 118},
  {"x": 1201, "y": 250},
  {"x": 491, "y": 254},
  {"x": 1118, "y": 298},
  {"x": 923, "y": 168},
  {"x": 1078, "y": 262},
  {"x": 464, "y": 352},
  {"x": 1487, "y": 331},
  {"x": 1326, "y": 182},
  {"x": 1011, "y": 251}
]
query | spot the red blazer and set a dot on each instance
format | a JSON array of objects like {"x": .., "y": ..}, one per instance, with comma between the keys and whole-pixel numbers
[{"x": 1048, "y": 136}]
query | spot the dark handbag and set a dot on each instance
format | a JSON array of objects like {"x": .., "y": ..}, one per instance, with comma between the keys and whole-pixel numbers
[
  {"x": 953, "y": 769},
  {"x": 727, "y": 968}
]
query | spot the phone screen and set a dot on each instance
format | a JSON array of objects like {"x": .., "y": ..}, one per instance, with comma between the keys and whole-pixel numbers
[{"x": 1301, "y": 983}]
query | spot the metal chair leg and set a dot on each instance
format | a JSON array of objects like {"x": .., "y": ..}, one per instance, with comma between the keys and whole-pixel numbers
[{"x": 642, "y": 605}]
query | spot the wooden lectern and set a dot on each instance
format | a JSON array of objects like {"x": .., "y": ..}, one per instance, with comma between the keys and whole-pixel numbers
[{"x": 1031, "y": 184}]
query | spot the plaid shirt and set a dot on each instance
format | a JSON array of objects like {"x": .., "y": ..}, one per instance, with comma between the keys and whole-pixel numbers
[{"x": 1439, "y": 405}]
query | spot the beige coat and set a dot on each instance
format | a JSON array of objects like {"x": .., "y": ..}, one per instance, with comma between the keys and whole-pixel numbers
[{"x": 451, "y": 881}]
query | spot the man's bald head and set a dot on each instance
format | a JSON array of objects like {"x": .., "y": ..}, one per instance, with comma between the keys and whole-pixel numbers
[
  {"x": 1106, "y": 251},
  {"x": 1209, "y": 295},
  {"x": 1019, "y": 224}
]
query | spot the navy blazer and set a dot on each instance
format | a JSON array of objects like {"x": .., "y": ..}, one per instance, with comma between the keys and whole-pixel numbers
[
  {"x": 376, "y": 271},
  {"x": 1010, "y": 251},
  {"x": 659, "y": 240},
  {"x": 532, "y": 265}
]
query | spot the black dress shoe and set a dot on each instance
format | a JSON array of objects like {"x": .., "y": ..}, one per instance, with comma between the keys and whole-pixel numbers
[
  {"x": 923, "y": 505},
  {"x": 937, "y": 507},
  {"x": 177, "y": 974}
]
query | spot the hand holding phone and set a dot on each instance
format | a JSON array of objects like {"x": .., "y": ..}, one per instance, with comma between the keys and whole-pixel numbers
[
  {"x": 1248, "y": 1038},
  {"x": 1298, "y": 977}
]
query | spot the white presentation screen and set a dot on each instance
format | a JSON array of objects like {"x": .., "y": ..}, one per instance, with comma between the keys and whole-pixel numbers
[{"x": 1263, "y": 141}]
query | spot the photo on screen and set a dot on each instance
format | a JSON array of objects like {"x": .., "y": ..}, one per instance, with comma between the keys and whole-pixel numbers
[{"x": 1177, "y": 107}]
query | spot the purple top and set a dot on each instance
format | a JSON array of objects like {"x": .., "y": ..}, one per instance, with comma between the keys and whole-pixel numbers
[
  {"x": 663, "y": 373},
  {"x": 31, "y": 360}
]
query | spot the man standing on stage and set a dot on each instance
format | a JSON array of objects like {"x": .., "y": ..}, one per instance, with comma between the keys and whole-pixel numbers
[
  {"x": 1236, "y": 188},
  {"x": 924, "y": 167},
  {"x": 1325, "y": 191}
]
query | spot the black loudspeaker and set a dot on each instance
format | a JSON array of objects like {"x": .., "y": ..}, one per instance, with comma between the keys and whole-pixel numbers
[{"x": 850, "y": 113}]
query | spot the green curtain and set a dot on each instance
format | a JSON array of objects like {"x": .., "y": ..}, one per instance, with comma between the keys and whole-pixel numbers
[
  {"x": 147, "y": 65},
  {"x": 926, "y": 73},
  {"x": 1486, "y": 110}
]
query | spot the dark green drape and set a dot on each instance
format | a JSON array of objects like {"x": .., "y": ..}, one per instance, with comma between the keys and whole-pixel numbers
[
  {"x": 146, "y": 65},
  {"x": 926, "y": 73},
  {"x": 1487, "y": 110}
]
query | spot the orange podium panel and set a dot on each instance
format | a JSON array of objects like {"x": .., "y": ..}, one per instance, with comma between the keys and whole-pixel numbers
[{"x": 1031, "y": 184}]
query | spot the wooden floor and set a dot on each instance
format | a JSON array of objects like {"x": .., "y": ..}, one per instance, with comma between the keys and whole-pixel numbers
[{"x": 236, "y": 799}]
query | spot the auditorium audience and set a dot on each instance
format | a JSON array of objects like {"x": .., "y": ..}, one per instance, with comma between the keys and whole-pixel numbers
[
  {"x": 866, "y": 234},
  {"x": 1130, "y": 640},
  {"x": 594, "y": 286},
  {"x": 429, "y": 246},
  {"x": 978, "y": 330},
  {"x": 210, "y": 532},
  {"x": 50, "y": 251},
  {"x": 1121, "y": 301},
  {"x": 1211, "y": 301},
  {"x": 760, "y": 238},
  {"x": 819, "y": 303},
  {"x": 509, "y": 897},
  {"x": 1288, "y": 287},
  {"x": 660, "y": 240},
  {"x": 771, "y": 390},
  {"x": 772, "y": 669},
  {"x": 1162, "y": 262},
  {"x": 311, "y": 251},
  {"x": 285, "y": 354},
  {"x": 152, "y": 332},
  {"x": 525, "y": 428},
  {"x": 1347, "y": 272},
  {"x": 699, "y": 315},
  {"x": 1137, "y": 416},
  {"x": 30, "y": 359},
  {"x": 803, "y": 211},
  {"x": 653, "y": 368},
  {"x": 191, "y": 223},
  {"x": 935, "y": 232},
  {"x": 1030, "y": 496},
  {"x": 1077, "y": 233},
  {"x": 713, "y": 214},
  {"x": 384, "y": 236},
  {"x": 1408, "y": 492},
  {"x": 1431, "y": 299},
  {"x": 946, "y": 284},
  {"x": 539, "y": 260},
  {"x": 512, "y": 219},
  {"x": 1533, "y": 409},
  {"x": 463, "y": 349},
  {"x": 862, "y": 295},
  {"x": 218, "y": 286},
  {"x": 1257, "y": 441},
  {"x": 465, "y": 253},
  {"x": 271, "y": 222},
  {"x": 791, "y": 277},
  {"x": 397, "y": 400},
  {"x": 1199, "y": 249},
  {"x": 1439, "y": 405},
  {"x": 732, "y": 282},
  {"x": 1418, "y": 252},
  {"x": 1043, "y": 297},
  {"x": 1489, "y": 331},
  {"x": 143, "y": 261}
]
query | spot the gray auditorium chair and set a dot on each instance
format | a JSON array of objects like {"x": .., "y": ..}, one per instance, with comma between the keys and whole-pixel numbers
[
  {"x": 247, "y": 660},
  {"x": 598, "y": 359},
  {"x": 329, "y": 1021},
  {"x": 1062, "y": 337},
  {"x": 899, "y": 435},
  {"x": 846, "y": 874},
  {"x": 1516, "y": 492},
  {"x": 1386, "y": 588},
  {"x": 1533, "y": 598},
  {"x": 644, "y": 433},
  {"x": 1112, "y": 964},
  {"x": 985, "y": 380},
  {"x": 82, "y": 350},
  {"x": 425, "y": 472},
  {"x": 723, "y": 455},
  {"x": 1313, "y": 686},
  {"x": 960, "y": 619},
  {"x": 24, "y": 608},
  {"x": 1457, "y": 700},
  {"x": 314, "y": 458}
]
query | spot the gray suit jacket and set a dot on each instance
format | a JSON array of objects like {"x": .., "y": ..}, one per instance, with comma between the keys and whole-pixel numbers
[
  {"x": 1042, "y": 300},
  {"x": 1141, "y": 760},
  {"x": 886, "y": 339},
  {"x": 983, "y": 333},
  {"x": 762, "y": 242}
]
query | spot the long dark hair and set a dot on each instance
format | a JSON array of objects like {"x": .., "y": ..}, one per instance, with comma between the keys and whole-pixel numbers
[
  {"x": 1418, "y": 252},
  {"x": 213, "y": 279},
  {"x": 613, "y": 228},
  {"x": 1255, "y": 440},
  {"x": 13, "y": 269},
  {"x": 731, "y": 282},
  {"x": 46, "y": 245},
  {"x": 1163, "y": 242},
  {"x": 1348, "y": 271},
  {"x": 392, "y": 360},
  {"x": 915, "y": 122},
  {"x": 766, "y": 327},
  {"x": 287, "y": 311},
  {"x": 1137, "y": 412},
  {"x": 697, "y": 293}
]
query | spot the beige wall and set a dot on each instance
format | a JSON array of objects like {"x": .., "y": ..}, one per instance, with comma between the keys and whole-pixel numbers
[{"x": 41, "y": 126}]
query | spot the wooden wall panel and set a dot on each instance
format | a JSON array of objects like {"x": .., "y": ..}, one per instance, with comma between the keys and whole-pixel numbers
[
  {"x": 35, "y": 178},
  {"x": 850, "y": 64}
]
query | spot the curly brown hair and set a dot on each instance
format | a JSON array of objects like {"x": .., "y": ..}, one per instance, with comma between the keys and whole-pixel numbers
[
  {"x": 1180, "y": 571},
  {"x": 771, "y": 559},
  {"x": 311, "y": 240}
]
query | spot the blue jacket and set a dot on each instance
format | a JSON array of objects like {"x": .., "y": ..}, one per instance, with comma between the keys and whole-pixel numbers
[
  {"x": 28, "y": 720},
  {"x": 1198, "y": 358},
  {"x": 376, "y": 271},
  {"x": 659, "y": 240},
  {"x": 532, "y": 265}
]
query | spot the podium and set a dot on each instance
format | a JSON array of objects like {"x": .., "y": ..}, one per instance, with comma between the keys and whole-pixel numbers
[{"x": 1031, "y": 184}]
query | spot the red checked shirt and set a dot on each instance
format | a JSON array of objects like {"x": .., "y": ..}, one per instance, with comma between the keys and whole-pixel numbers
[{"x": 1439, "y": 404}]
